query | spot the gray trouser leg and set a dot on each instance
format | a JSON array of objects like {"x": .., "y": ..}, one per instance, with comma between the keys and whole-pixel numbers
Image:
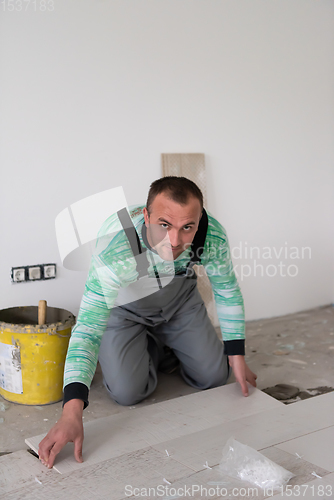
[
  {"x": 129, "y": 360},
  {"x": 129, "y": 356},
  {"x": 193, "y": 338}
]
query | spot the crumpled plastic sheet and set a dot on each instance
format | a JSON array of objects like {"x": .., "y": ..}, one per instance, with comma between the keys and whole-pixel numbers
[{"x": 243, "y": 462}]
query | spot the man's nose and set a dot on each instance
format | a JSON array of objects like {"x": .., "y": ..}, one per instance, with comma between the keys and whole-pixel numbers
[{"x": 174, "y": 238}]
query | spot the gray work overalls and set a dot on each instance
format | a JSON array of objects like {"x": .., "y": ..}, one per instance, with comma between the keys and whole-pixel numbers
[{"x": 175, "y": 316}]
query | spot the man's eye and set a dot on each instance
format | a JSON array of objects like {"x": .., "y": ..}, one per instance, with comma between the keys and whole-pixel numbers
[
  {"x": 164, "y": 226},
  {"x": 187, "y": 228}
]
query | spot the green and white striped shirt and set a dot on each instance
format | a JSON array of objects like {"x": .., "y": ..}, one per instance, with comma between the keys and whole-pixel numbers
[{"x": 113, "y": 266}]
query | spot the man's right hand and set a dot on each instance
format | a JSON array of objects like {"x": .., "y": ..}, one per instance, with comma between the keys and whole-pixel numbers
[{"x": 69, "y": 428}]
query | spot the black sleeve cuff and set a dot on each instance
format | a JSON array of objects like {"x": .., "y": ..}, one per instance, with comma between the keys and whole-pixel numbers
[
  {"x": 234, "y": 347},
  {"x": 76, "y": 390}
]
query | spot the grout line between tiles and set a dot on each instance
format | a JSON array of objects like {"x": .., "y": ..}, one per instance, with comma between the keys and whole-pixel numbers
[{"x": 297, "y": 437}]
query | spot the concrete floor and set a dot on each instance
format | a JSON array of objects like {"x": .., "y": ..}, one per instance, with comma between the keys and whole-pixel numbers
[{"x": 296, "y": 349}]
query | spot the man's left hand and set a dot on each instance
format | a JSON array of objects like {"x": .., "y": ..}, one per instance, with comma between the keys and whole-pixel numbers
[{"x": 242, "y": 372}]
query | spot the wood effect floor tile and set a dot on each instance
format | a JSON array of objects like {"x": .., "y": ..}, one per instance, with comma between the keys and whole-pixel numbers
[
  {"x": 135, "y": 429},
  {"x": 316, "y": 448}
]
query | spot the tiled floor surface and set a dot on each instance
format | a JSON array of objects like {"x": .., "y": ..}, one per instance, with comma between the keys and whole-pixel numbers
[
  {"x": 165, "y": 448},
  {"x": 296, "y": 349}
]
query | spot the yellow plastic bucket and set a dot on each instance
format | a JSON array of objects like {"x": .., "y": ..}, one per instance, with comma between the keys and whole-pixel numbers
[{"x": 32, "y": 356}]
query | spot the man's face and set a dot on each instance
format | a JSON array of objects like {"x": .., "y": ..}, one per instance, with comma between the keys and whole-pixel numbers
[{"x": 171, "y": 227}]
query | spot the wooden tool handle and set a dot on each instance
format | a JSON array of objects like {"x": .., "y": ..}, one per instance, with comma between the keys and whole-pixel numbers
[{"x": 42, "y": 312}]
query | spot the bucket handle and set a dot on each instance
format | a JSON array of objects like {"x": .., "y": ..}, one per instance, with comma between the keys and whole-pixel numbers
[{"x": 53, "y": 331}]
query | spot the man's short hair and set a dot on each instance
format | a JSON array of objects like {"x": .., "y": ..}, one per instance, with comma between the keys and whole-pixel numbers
[{"x": 179, "y": 189}]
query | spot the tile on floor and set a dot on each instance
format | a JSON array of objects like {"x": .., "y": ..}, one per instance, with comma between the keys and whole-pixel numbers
[
  {"x": 314, "y": 490},
  {"x": 19, "y": 469},
  {"x": 303, "y": 471},
  {"x": 194, "y": 450},
  {"x": 318, "y": 409},
  {"x": 275, "y": 426},
  {"x": 316, "y": 448},
  {"x": 132, "y": 430}
]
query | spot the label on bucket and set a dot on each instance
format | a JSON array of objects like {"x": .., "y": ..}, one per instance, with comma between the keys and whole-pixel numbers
[{"x": 10, "y": 368}]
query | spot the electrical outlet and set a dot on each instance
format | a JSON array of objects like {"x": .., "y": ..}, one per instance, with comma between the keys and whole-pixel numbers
[
  {"x": 18, "y": 274},
  {"x": 35, "y": 273},
  {"x": 49, "y": 271}
]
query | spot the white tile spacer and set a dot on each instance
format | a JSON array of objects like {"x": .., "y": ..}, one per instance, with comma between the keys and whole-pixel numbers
[
  {"x": 316, "y": 475},
  {"x": 167, "y": 453},
  {"x": 206, "y": 465},
  {"x": 166, "y": 481}
]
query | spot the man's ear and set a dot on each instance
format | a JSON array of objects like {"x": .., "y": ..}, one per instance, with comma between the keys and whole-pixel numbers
[{"x": 146, "y": 217}]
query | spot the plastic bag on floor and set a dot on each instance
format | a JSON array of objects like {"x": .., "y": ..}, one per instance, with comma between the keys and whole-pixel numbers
[{"x": 243, "y": 462}]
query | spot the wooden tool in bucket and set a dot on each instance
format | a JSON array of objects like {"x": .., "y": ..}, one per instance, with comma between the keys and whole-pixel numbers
[{"x": 42, "y": 312}]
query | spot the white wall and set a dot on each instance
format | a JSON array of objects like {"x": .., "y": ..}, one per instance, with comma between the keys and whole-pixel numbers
[{"x": 93, "y": 92}]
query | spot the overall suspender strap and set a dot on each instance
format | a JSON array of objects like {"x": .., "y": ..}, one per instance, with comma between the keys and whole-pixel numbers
[
  {"x": 197, "y": 245},
  {"x": 132, "y": 236}
]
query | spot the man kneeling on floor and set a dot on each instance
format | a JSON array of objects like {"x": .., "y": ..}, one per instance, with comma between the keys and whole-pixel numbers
[{"x": 141, "y": 310}]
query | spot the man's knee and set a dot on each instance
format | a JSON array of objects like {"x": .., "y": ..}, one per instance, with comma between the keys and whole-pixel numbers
[
  {"x": 128, "y": 390},
  {"x": 215, "y": 380},
  {"x": 210, "y": 377},
  {"x": 125, "y": 395}
]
